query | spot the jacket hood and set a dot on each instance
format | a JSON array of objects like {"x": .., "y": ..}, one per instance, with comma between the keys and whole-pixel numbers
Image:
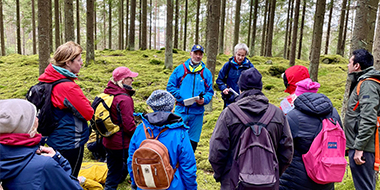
[
  {"x": 252, "y": 101},
  {"x": 245, "y": 63},
  {"x": 370, "y": 72},
  {"x": 114, "y": 89},
  {"x": 13, "y": 159},
  {"x": 295, "y": 74},
  {"x": 51, "y": 75},
  {"x": 161, "y": 119},
  {"x": 313, "y": 104}
]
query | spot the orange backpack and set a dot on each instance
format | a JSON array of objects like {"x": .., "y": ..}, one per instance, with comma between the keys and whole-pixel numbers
[
  {"x": 377, "y": 147},
  {"x": 151, "y": 163}
]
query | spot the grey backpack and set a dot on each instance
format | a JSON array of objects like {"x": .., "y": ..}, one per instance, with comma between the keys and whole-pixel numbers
[{"x": 255, "y": 164}]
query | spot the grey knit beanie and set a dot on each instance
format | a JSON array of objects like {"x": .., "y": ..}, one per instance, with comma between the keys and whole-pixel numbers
[
  {"x": 161, "y": 100},
  {"x": 16, "y": 116}
]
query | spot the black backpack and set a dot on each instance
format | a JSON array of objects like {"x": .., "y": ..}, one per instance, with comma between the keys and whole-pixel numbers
[
  {"x": 255, "y": 164},
  {"x": 40, "y": 96}
]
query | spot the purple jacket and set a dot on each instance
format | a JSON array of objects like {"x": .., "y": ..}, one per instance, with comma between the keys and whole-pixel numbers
[
  {"x": 125, "y": 104},
  {"x": 228, "y": 129}
]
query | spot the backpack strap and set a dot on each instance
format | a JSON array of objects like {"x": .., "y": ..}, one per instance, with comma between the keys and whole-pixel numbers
[
  {"x": 358, "y": 89},
  {"x": 264, "y": 120},
  {"x": 186, "y": 71},
  {"x": 151, "y": 136},
  {"x": 240, "y": 114},
  {"x": 377, "y": 151}
]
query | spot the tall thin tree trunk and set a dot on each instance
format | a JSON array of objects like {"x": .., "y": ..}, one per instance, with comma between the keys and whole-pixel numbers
[
  {"x": 18, "y": 30},
  {"x": 43, "y": 35},
  {"x": 287, "y": 31},
  {"x": 150, "y": 24},
  {"x": 290, "y": 29},
  {"x": 268, "y": 48},
  {"x": 301, "y": 30},
  {"x": 121, "y": 29},
  {"x": 155, "y": 25},
  {"x": 169, "y": 35},
  {"x": 237, "y": 22},
  {"x": 250, "y": 22},
  {"x": 109, "y": 24},
  {"x": 252, "y": 48},
  {"x": 185, "y": 26},
  {"x": 104, "y": 26},
  {"x": 62, "y": 26},
  {"x": 317, "y": 39},
  {"x": 95, "y": 27},
  {"x": 329, "y": 27},
  {"x": 50, "y": 26},
  {"x": 69, "y": 21},
  {"x": 90, "y": 55},
  {"x": 56, "y": 24},
  {"x": 340, "y": 45},
  {"x": 127, "y": 25},
  {"x": 33, "y": 27},
  {"x": 176, "y": 24},
  {"x": 197, "y": 23},
  {"x": 2, "y": 29},
  {"x": 346, "y": 27},
  {"x": 78, "y": 23},
  {"x": 376, "y": 46},
  {"x": 144, "y": 25},
  {"x": 292, "y": 57},
  {"x": 140, "y": 23},
  {"x": 132, "y": 26},
  {"x": 263, "y": 41},
  {"x": 221, "y": 33}
]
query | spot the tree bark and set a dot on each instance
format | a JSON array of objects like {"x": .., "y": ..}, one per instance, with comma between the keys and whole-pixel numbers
[
  {"x": 221, "y": 33},
  {"x": 185, "y": 27},
  {"x": 376, "y": 46},
  {"x": 18, "y": 30},
  {"x": 121, "y": 24},
  {"x": 2, "y": 29},
  {"x": 90, "y": 55},
  {"x": 317, "y": 39},
  {"x": 329, "y": 27},
  {"x": 262, "y": 52},
  {"x": 340, "y": 45},
  {"x": 126, "y": 25},
  {"x": 213, "y": 10},
  {"x": 144, "y": 25},
  {"x": 292, "y": 57},
  {"x": 78, "y": 23},
  {"x": 109, "y": 24},
  {"x": 287, "y": 31},
  {"x": 140, "y": 23},
  {"x": 176, "y": 24},
  {"x": 95, "y": 27},
  {"x": 69, "y": 21},
  {"x": 33, "y": 27},
  {"x": 250, "y": 22},
  {"x": 50, "y": 26},
  {"x": 169, "y": 35},
  {"x": 290, "y": 30},
  {"x": 197, "y": 22},
  {"x": 301, "y": 29},
  {"x": 43, "y": 35},
  {"x": 252, "y": 48},
  {"x": 268, "y": 48},
  {"x": 345, "y": 27},
  {"x": 104, "y": 26},
  {"x": 131, "y": 44},
  {"x": 237, "y": 23},
  {"x": 56, "y": 24},
  {"x": 150, "y": 24}
]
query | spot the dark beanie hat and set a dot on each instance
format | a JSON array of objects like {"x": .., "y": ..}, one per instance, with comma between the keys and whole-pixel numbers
[{"x": 249, "y": 79}]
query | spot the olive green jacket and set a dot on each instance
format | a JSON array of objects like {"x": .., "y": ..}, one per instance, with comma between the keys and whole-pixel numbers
[{"x": 360, "y": 125}]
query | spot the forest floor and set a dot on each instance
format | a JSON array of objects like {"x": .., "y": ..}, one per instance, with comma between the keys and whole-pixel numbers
[{"x": 18, "y": 73}]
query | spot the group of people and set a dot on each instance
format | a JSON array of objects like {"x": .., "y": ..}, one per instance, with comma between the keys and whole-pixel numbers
[{"x": 24, "y": 164}]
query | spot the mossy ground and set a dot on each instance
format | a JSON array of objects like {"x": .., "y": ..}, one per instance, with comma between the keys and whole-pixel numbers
[{"x": 19, "y": 73}]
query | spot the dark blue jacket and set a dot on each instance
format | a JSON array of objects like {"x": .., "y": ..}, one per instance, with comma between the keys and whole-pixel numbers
[
  {"x": 176, "y": 139},
  {"x": 305, "y": 123},
  {"x": 21, "y": 168},
  {"x": 232, "y": 71}
]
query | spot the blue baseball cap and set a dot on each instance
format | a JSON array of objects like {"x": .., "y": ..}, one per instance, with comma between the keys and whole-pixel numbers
[{"x": 197, "y": 47}]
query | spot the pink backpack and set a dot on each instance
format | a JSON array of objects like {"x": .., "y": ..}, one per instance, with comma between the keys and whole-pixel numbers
[{"x": 325, "y": 161}]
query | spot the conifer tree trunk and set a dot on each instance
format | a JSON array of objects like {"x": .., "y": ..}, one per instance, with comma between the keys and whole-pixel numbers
[
  {"x": 290, "y": 30},
  {"x": 78, "y": 23},
  {"x": 18, "y": 27},
  {"x": 2, "y": 29},
  {"x": 301, "y": 29},
  {"x": 250, "y": 22},
  {"x": 262, "y": 52},
  {"x": 169, "y": 35},
  {"x": 287, "y": 31},
  {"x": 56, "y": 24},
  {"x": 331, "y": 6},
  {"x": 121, "y": 24},
  {"x": 104, "y": 26},
  {"x": 69, "y": 21},
  {"x": 176, "y": 24},
  {"x": 140, "y": 23},
  {"x": 221, "y": 33},
  {"x": 144, "y": 25},
  {"x": 197, "y": 23},
  {"x": 50, "y": 26},
  {"x": 33, "y": 27},
  {"x": 252, "y": 47},
  {"x": 150, "y": 24},
  {"x": 237, "y": 23},
  {"x": 43, "y": 35},
  {"x": 345, "y": 27},
  {"x": 131, "y": 43},
  {"x": 185, "y": 26},
  {"x": 127, "y": 25},
  {"x": 95, "y": 27},
  {"x": 376, "y": 46},
  {"x": 268, "y": 48},
  {"x": 292, "y": 57},
  {"x": 317, "y": 39},
  {"x": 340, "y": 45},
  {"x": 109, "y": 24},
  {"x": 90, "y": 55}
]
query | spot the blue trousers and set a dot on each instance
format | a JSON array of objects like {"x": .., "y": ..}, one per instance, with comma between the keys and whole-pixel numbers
[
  {"x": 363, "y": 175},
  {"x": 195, "y": 123},
  {"x": 117, "y": 168}
]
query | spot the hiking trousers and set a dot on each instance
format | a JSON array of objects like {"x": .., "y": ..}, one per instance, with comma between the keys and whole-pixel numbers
[
  {"x": 75, "y": 158},
  {"x": 117, "y": 168},
  {"x": 363, "y": 175}
]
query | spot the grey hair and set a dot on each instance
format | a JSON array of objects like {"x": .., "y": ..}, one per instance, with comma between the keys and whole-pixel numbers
[{"x": 242, "y": 46}]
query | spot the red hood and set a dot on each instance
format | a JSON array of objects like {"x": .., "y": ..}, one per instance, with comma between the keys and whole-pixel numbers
[
  {"x": 51, "y": 75},
  {"x": 293, "y": 75}
]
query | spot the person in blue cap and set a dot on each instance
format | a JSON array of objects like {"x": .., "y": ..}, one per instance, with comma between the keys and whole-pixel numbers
[{"x": 188, "y": 80}]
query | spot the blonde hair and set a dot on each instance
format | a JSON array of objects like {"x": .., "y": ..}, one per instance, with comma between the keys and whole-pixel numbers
[
  {"x": 66, "y": 52},
  {"x": 118, "y": 83}
]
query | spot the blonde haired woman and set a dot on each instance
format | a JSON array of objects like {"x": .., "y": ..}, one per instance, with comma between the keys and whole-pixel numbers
[{"x": 71, "y": 109}]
